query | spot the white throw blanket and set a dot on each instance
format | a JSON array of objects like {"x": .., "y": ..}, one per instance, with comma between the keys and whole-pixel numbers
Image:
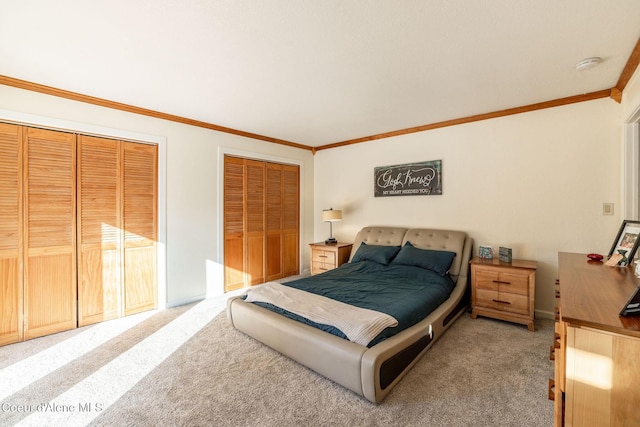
[{"x": 360, "y": 325}]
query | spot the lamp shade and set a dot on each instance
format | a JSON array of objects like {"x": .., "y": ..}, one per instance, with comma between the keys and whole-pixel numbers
[{"x": 331, "y": 215}]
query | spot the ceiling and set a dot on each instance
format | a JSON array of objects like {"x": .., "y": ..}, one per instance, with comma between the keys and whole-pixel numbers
[{"x": 319, "y": 72}]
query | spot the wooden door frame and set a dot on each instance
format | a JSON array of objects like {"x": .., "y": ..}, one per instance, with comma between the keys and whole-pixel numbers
[
  {"x": 631, "y": 167},
  {"x": 33, "y": 120},
  {"x": 215, "y": 273}
]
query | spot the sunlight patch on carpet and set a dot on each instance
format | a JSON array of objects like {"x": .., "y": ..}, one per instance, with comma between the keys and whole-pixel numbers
[
  {"x": 86, "y": 400},
  {"x": 29, "y": 370}
]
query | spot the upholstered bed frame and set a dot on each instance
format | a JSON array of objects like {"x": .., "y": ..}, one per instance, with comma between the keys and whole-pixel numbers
[{"x": 369, "y": 372}]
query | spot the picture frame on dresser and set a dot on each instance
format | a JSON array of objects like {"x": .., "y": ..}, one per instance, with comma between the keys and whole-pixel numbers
[{"x": 626, "y": 242}]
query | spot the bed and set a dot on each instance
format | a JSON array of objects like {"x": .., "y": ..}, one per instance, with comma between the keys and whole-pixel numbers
[{"x": 369, "y": 369}]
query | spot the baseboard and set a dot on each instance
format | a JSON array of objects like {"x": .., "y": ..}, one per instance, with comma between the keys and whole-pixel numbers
[
  {"x": 185, "y": 301},
  {"x": 540, "y": 314}
]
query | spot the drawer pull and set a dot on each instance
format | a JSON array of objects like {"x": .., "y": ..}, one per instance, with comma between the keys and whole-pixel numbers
[
  {"x": 500, "y": 282},
  {"x": 501, "y": 302},
  {"x": 322, "y": 256}
]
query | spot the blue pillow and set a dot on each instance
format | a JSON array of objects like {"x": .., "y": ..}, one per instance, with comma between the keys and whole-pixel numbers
[
  {"x": 380, "y": 254},
  {"x": 437, "y": 261}
]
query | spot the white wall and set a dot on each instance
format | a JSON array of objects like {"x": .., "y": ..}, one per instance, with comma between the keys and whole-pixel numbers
[
  {"x": 534, "y": 182},
  {"x": 193, "y": 234}
]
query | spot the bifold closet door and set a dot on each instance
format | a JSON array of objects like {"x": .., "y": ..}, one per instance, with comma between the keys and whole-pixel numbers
[
  {"x": 254, "y": 220},
  {"x": 49, "y": 231},
  {"x": 274, "y": 221},
  {"x": 291, "y": 220},
  {"x": 10, "y": 234},
  {"x": 282, "y": 220},
  {"x": 140, "y": 226},
  {"x": 117, "y": 224},
  {"x": 99, "y": 230},
  {"x": 261, "y": 221},
  {"x": 244, "y": 222},
  {"x": 234, "y": 219}
]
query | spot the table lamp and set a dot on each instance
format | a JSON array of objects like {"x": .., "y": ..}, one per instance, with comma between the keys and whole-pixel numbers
[{"x": 329, "y": 215}]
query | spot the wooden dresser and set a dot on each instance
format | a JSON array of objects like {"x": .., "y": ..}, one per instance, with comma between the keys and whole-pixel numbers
[
  {"x": 327, "y": 256},
  {"x": 596, "y": 351},
  {"x": 504, "y": 290}
]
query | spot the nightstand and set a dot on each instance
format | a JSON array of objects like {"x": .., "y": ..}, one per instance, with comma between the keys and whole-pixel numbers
[
  {"x": 327, "y": 256},
  {"x": 504, "y": 290}
]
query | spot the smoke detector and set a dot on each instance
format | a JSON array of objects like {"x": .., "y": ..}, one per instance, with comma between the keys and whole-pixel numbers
[{"x": 587, "y": 64}]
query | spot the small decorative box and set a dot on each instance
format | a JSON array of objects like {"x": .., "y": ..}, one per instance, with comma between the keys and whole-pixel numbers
[{"x": 505, "y": 254}]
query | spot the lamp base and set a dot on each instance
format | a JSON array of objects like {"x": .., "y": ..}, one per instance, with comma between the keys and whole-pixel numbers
[{"x": 331, "y": 241}]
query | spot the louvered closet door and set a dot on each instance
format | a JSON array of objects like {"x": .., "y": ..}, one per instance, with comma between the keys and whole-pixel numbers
[
  {"x": 10, "y": 234},
  {"x": 99, "y": 230},
  {"x": 290, "y": 220},
  {"x": 274, "y": 221},
  {"x": 140, "y": 201},
  {"x": 255, "y": 211},
  {"x": 234, "y": 218},
  {"x": 50, "y": 232},
  {"x": 261, "y": 221}
]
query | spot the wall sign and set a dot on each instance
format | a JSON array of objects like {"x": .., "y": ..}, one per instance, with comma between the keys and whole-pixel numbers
[{"x": 412, "y": 179}]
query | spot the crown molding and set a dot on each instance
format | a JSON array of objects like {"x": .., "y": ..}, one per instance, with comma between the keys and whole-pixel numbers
[
  {"x": 476, "y": 118},
  {"x": 48, "y": 90}
]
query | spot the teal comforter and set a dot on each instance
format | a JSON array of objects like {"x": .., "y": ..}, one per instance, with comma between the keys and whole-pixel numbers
[{"x": 407, "y": 293}]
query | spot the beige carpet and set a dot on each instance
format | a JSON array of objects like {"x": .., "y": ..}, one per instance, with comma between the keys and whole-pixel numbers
[{"x": 155, "y": 372}]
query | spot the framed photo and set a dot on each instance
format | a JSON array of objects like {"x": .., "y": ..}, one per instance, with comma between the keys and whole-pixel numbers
[
  {"x": 505, "y": 254},
  {"x": 485, "y": 252},
  {"x": 626, "y": 243}
]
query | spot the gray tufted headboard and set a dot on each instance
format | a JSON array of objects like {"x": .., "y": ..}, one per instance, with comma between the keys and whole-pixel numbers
[
  {"x": 383, "y": 236},
  {"x": 423, "y": 238}
]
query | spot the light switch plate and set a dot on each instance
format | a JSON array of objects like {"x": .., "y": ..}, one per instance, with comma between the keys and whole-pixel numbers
[{"x": 607, "y": 209}]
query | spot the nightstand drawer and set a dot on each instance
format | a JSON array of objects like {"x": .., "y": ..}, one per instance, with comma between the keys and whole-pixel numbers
[
  {"x": 319, "y": 267},
  {"x": 323, "y": 257},
  {"x": 516, "y": 282},
  {"x": 503, "y": 301}
]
